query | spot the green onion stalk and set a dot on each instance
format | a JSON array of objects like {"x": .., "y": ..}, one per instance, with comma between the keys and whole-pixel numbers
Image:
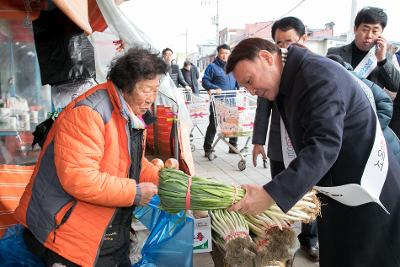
[
  {"x": 231, "y": 232},
  {"x": 272, "y": 232},
  {"x": 204, "y": 194}
]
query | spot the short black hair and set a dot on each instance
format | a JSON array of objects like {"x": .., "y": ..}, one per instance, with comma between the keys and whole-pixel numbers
[
  {"x": 288, "y": 23},
  {"x": 223, "y": 46},
  {"x": 248, "y": 49},
  {"x": 187, "y": 63},
  {"x": 167, "y": 49},
  {"x": 135, "y": 65},
  {"x": 371, "y": 15}
]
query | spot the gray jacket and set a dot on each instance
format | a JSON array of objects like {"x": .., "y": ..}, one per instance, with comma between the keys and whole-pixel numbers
[
  {"x": 261, "y": 121},
  {"x": 386, "y": 76}
]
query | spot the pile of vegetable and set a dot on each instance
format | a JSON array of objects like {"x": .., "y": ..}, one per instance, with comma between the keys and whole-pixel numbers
[
  {"x": 231, "y": 232},
  {"x": 204, "y": 194},
  {"x": 264, "y": 238},
  {"x": 179, "y": 191}
]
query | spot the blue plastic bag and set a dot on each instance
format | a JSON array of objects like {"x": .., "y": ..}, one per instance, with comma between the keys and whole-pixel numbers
[
  {"x": 170, "y": 242},
  {"x": 13, "y": 251}
]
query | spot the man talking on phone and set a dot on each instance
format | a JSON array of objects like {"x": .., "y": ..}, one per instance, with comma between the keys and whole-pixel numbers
[{"x": 367, "y": 54}]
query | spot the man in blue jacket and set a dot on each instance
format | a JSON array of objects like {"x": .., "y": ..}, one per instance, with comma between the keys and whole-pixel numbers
[{"x": 215, "y": 80}]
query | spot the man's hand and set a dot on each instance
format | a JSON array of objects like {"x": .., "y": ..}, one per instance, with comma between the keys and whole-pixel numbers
[
  {"x": 216, "y": 91},
  {"x": 258, "y": 149},
  {"x": 187, "y": 87},
  {"x": 381, "y": 48},
  {"x": 254, "y": 202},
  {"x": 147, "y": 190}
]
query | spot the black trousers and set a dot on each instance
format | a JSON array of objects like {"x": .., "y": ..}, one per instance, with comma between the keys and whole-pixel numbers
[
  {"x": 309, "y": 231},
  {"x": 211, "y": 131}
]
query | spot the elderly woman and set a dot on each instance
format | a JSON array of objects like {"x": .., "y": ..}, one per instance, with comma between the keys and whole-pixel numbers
[{"x": 91, "y": 172}]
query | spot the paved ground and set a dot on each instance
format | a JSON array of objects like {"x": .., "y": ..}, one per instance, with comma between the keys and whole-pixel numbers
[{"x": 225, "y": 168}]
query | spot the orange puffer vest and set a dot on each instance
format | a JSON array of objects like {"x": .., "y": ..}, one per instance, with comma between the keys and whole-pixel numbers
[{"x": 81, "y": 176}]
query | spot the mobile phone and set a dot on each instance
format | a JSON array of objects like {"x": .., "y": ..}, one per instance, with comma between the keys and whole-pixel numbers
[{"x": 376, "y": 45}]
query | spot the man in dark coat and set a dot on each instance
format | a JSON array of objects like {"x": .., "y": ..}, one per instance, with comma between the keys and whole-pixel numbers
[
  {"x": 191, "y": 75},
  {"x": 368, "y": 27},
  {"x": 329, "y": 121},
  {"x": 285, "y": 32},
  {"x": 173, "y": 69}
]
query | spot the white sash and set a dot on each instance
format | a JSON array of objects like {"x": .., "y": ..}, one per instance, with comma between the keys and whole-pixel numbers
[
  {"x": 367, "y": 64},
  {"x": 375, "y": 170}
]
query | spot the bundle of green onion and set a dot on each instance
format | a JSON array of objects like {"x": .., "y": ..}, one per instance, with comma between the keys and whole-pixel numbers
[
  {"x": 204, "y": 194},
  {"x": 231, "y": 233}
]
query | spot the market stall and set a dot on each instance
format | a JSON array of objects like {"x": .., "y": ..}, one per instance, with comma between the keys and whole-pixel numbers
[{"x": 52, "y": 52}]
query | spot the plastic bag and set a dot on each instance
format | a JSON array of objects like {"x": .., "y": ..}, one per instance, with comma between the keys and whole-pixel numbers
[
  {"x": 63, "y": 50},
  {"x": 137, "y": 237},
  {"x": 104, "y": 51},
  {"x": 63, "y": 94},
  {"x": 13, "y": 251},
  {"x": 170, "y": 242}
]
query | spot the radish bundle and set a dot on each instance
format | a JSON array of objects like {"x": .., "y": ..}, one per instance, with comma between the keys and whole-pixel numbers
[{"x": 231, "y": 232}]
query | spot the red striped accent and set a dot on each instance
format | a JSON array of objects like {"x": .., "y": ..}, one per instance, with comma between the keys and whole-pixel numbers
[{"x": 13, "y": 180}]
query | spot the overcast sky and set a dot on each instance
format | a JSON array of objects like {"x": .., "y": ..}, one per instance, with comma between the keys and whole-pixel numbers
[{"x": 167, "y": 21}]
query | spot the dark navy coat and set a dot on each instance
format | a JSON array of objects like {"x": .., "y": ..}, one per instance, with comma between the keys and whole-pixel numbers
[{"x": 331, "y": 124}]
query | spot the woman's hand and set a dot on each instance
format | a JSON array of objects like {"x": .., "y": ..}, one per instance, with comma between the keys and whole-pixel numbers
[
  {"x": 254, "y": 202},
  {"x": 147, "y": 191}
]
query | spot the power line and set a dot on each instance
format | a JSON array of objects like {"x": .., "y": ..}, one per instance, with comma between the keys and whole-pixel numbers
[{"x": 296, "y": 6}]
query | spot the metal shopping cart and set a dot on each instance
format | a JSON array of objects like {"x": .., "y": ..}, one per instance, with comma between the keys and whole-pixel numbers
[
  {"x": 234, "y": 113},
  {"x": 199, "y": 110}
]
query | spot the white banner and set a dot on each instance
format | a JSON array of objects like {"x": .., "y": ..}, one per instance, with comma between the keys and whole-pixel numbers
[{"x": 367, "y": 64}]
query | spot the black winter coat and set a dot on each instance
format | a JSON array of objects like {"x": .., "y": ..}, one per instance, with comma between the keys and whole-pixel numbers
[{"x": 331, "y": 124}]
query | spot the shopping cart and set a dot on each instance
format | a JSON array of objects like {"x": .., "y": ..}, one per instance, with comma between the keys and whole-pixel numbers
[
  {"x": 234, "y": 113},
  {"x": 199, "y": 110}
]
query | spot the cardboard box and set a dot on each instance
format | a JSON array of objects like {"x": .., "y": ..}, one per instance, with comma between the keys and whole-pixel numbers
[{"x": 202, "y": 241}]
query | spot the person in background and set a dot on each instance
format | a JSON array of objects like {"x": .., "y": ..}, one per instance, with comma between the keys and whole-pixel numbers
[
  {"x": 173, "y": 69},
  {"x": 368, "y": 28},
  {"x": 285, "y": 32},
  {"x": 191, "y": 75},
  {"x": 91, "y": 172},
  {"x": 395, "y": 122},
  {"x": 398, "y": 55},
  {"x": 329, "y": 121},
  {"x": 215, "y": 80},
  {"x": 384, "y": 108}
]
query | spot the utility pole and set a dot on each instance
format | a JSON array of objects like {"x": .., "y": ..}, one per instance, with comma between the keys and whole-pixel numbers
[
  {"x": 354, "y": 7},
  {"x": 186, "y": 40},
  {"x": 217, "y": 23},
  {"x": 215, "y": 19}
]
